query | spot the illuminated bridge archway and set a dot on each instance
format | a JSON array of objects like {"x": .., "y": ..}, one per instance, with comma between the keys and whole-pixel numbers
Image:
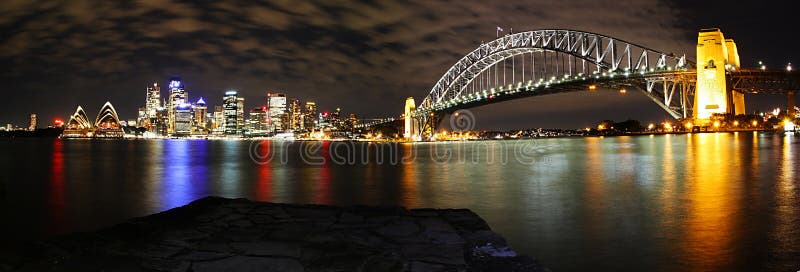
[
  {"x": 544, "y": 62},
  {"x": 552, "y": 61}
]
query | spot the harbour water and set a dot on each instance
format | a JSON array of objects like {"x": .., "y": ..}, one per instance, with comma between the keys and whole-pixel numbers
[{"x": 691, "y": 202}]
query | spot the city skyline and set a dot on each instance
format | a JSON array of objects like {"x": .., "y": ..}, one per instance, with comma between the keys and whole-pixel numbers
[
  {"x": 177, "y": 116},
  {"x": 380, "y": 60}
]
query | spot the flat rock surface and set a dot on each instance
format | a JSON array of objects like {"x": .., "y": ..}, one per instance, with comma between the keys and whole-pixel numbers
[{"x": 221, "y": 234}]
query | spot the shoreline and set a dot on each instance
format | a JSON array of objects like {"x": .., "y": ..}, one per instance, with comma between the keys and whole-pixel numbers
[{"x": 218, "y": 138}]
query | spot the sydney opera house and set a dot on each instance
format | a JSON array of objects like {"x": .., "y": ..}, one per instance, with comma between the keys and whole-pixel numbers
[{"x": 105, "y": 125}]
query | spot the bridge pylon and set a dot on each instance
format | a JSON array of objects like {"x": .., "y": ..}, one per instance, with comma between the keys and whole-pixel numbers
[
  {"x": 715, "y": 56},
  {"x": 419, "y": 125},
  {"x": 410, "y": 128}
]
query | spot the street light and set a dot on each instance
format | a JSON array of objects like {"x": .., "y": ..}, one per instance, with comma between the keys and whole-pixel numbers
[{"x": 789, "y": 67}]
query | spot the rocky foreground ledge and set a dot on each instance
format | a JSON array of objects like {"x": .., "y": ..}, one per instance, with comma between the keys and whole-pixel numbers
[{"x": 220, "y": 234}]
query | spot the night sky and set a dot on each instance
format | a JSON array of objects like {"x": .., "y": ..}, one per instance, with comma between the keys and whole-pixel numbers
[{"x": 362, "y": 56}]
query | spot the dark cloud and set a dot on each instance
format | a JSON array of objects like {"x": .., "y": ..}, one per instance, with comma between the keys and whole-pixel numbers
[{"x": 365, "y": 56}]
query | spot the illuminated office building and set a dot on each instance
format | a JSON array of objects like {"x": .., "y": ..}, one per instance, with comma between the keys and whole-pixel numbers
[
  {"x": 276, "y": 110},
  {"x": 200, "y": 112},
  {"x": 295, "y": 114},
  {"x": 276, "y": 104},
  {"x": 183, "y": 119},
  {"x": 152, "y": 100},
  {"x": 177, "y": 97},
  {"x": 240, "y": 113},
  {"x": 310, "y": 116},
  {"x": 218, "y": 123},
  {"x": 230, "y": 104},
  {"x": 257, "y": 124}
]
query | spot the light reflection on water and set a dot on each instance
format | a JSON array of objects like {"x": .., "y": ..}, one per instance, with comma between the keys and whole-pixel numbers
[{"x": 696, "y": 202}]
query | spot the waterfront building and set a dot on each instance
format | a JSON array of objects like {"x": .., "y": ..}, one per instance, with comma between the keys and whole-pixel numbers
[
  {"x": 33, "y": 124},
  {"x": 183, "y": 120},
  {"x": 229, "y": 103},
  {"x": 240, "y": 122},
  {"x": 152, "y": 100},
  {"x": 324, "y": 120},
  {"x": 78, "y": 124},
  {"x": 200, "y": 112},
  {"x": 310, "y": 116},
  {"x": 218, "y": 122},
  {"x": 159, "y": 123},
  {"x": 276, "y": 105},
  {"x": 295, "y": 114},
  {"x": 257, "y": 124},
  {"x": 177, "y": 97},
  {"x": 106, "y": 124},
  {"x": 142, "y": 117},
  {"x": 335, "y": 120},
  {"x": 351, "y": 122}
]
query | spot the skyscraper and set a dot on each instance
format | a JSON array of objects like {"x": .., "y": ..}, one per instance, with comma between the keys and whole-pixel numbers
[
  {"x": 152, "y": 100},
  {"x": 240, "y": 113},
  {"x": 230, "y": 104},
  {"x": 160, "y": 123},
  {"x": 219, "y": 120},
  {"x": 183, "y": 119},
  {"x": 310, "y": 116},
  {"x": 200, "y": 111},
  {"x": 351, "y": 122},
  {"x": 258, "y": 121},
  {"x": 295, "y": 114},
  {"x": 336, "y": 120},
  {"x": 141, "y": 117},
  {"x": 276, "y": 102},
  {"x": 177, "y": 96},
  {"x": 34, "y": 119}
]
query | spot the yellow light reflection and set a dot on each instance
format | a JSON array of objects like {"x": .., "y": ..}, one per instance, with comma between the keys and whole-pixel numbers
[
  {"x": 595, "y": 185},
  {"x": 408, "y": 183},
  {"x": 710, "y": 203},
  {"x": 785, "y": 232}
]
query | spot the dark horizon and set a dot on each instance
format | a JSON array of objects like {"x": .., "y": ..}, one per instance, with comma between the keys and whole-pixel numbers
[{"x": 365, "y": 57}]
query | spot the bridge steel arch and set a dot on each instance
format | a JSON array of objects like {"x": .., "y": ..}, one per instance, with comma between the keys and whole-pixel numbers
[
  {"x": 606, "y": 54},
  {"x": 605, "y": 61}
]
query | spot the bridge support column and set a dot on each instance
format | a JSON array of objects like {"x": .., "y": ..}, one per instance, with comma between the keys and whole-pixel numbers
[
  {"x": 738, "y": 103},
  {"x": 715, "y": 55},
  {"x": 410, "y": 124}
]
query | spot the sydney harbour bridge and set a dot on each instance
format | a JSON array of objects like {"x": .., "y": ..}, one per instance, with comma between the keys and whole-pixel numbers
[{"x": 542, "y": 62}]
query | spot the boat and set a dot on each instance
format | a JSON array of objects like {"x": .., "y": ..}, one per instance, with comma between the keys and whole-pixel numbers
[{"x": 284, "y": 136}]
